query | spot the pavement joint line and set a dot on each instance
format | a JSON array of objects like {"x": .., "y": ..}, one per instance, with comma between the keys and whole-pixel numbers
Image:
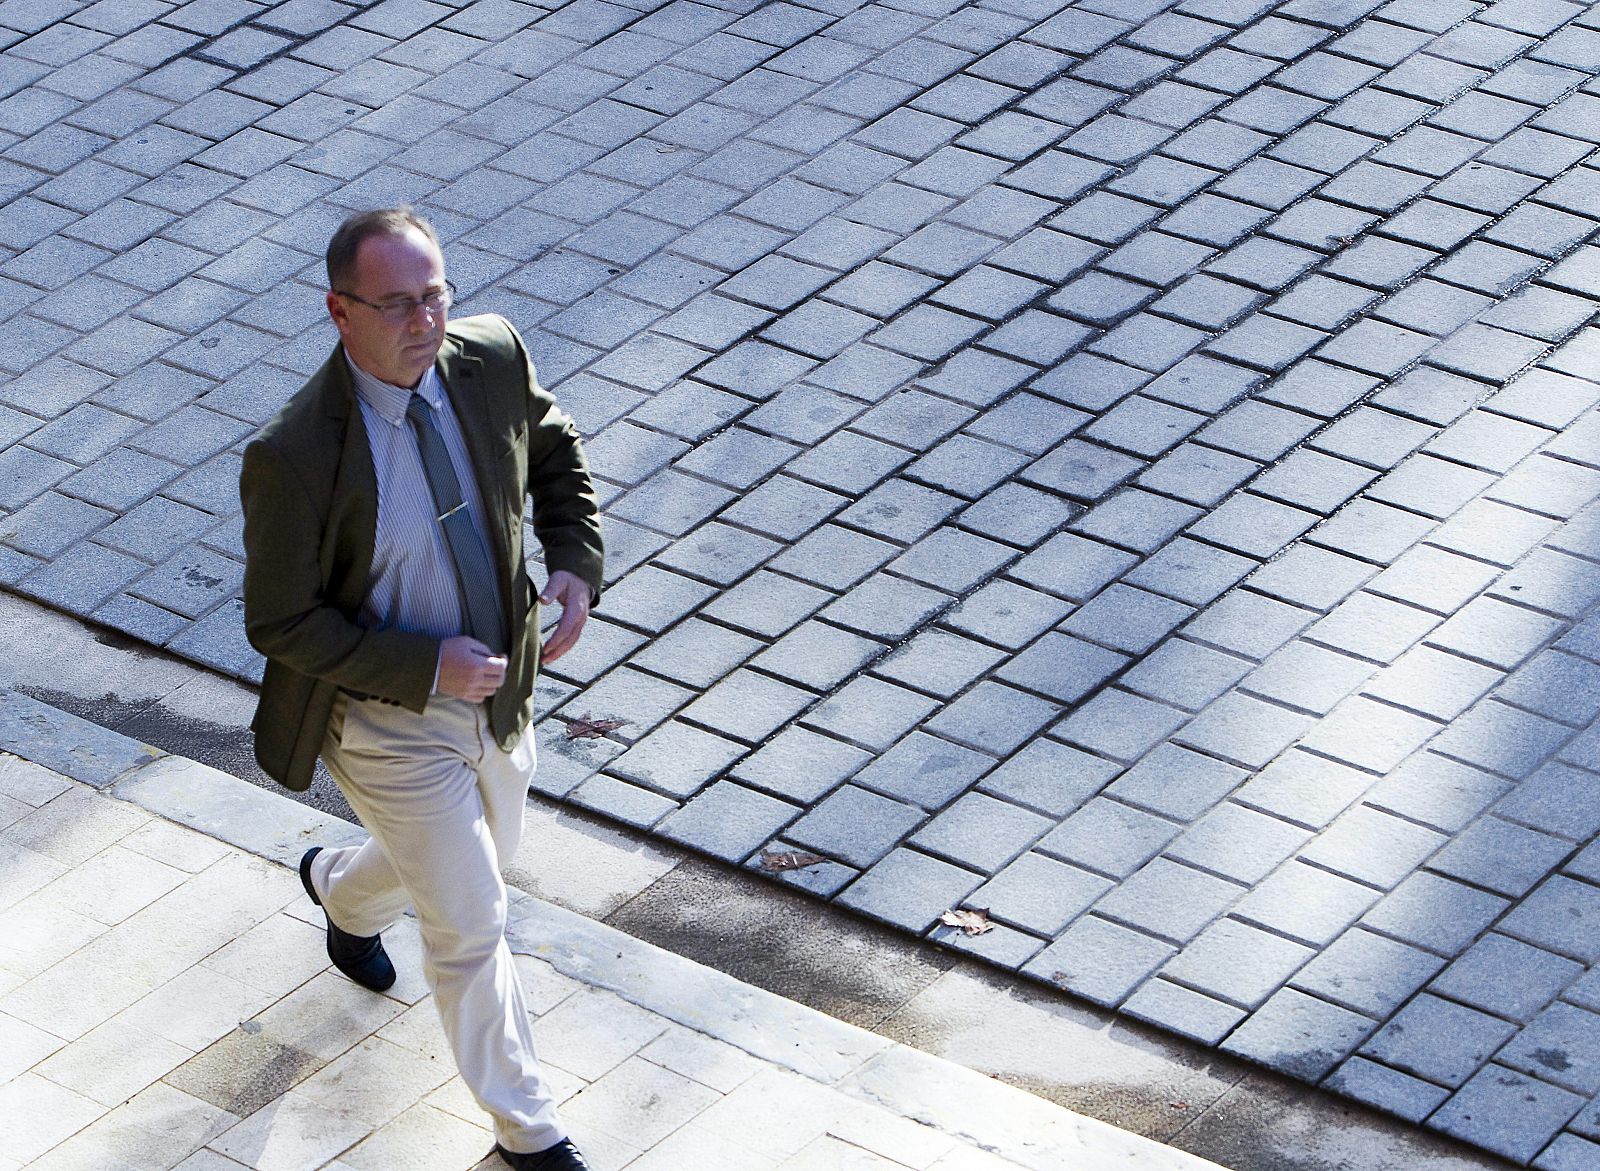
[{"x": 993, "y": 1116}]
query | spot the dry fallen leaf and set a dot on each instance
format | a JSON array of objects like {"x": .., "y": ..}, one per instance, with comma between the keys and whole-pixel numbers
[
  {"x": 788, "y": 859},
  {"x": 971, "y": 920},
  {"x": 587, "y": 727}
]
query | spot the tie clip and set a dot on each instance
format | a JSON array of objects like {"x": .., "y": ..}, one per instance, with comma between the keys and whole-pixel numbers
[{"x": 444, "y": 516}]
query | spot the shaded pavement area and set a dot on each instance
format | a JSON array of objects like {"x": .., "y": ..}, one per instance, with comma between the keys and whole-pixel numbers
[{"x": 1126, "y": 465}]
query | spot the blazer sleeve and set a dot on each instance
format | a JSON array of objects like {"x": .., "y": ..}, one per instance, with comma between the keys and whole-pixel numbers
[
  {"x": 566, "y": 511},
  {"x": 292, "y": 610}
]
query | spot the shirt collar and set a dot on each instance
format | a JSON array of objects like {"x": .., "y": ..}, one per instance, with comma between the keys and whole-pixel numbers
[{"x": 390, "y": 400}]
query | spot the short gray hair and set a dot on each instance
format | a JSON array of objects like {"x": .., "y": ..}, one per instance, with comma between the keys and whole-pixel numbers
[{"x": 382, "y": 221}]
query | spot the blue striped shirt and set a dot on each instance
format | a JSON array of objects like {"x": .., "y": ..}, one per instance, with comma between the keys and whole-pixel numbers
[{"x": 413, "y": 584}]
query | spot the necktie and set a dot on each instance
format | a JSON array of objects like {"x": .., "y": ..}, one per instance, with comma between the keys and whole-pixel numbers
[{"x": 474, "y": 568}]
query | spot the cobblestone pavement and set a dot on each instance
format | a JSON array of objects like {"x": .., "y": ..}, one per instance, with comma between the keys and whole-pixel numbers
[{"x": 1128, "y": 465}]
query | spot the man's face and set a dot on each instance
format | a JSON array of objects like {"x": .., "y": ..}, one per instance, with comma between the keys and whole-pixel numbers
[{"x": 388, "y": 269}]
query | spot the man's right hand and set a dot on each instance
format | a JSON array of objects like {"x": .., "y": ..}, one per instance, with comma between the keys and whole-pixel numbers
[{"x": 469, "y": 670}]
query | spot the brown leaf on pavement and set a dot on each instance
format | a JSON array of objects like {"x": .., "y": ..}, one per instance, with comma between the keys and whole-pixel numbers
[
  {"x": 772, "y": 860},
  {"x": 971, "y": 920},
  {"x": 587, "y": 727}
]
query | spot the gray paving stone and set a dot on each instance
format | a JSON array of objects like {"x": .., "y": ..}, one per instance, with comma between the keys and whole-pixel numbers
[
  {"x": 1253, "y": 525},
  {"x": 1184, "y": 674},
  {"x": 1194, "y": 573},
  {"x": 1200, "y": 475},
  {"x": 1137, "y": 520},
  {"x": 1582, "y": 992},
  {"x": 1507, "y": 978},
  {"x": 856, "y": 826},
  {"x": 1247, "y": 623},
  {"x": 1305, "y": 903},
  {"x": 628, "y": 803},
  {"x": 1126, "y": 620},
  {"x": 1299, "y": 1035},
  {"x": 737, "y": 457},
  {"x": 984, "y": 834},
  {"x": 51, "y": 523},
  {"x": 1556, "y": 799},
  {"x": 1567, "y": 1153},
  {"x": 653, "y": 599},
  {"x": 677, "y": 760},
  {"x": 1439, "y": 1040},
  {"x": 993, "y": 718},
  {"x": 1554, "y": 917},
  {"x": 1016, "y": 513},
  {"x": 818, "y": 655},
  {"x": 727, "y": 821},
  {"x": 1237, "y": 843},
  {"x": 1168, "y": 900},
  {"x": 1506, "y": 1113},
  {"x": 952, "y": 560},
  {"x": 1373, "y": 847},
  {"x": 1108, "y": 837},
  {"x": 604, "y": 646},
  {"x": 1049, "y": 776},
  {"x": 81, "y": 578},
  {"x": 1437, "y": 913},
  {"x": 1024, "y": 421},
  {"x": 870, "y": 712},
  {"x": 155, "y": 529},
  {"x": 640, "y": 701},
  {"x": 1388, "y": 1089},
  {"x": 1082, "y": 471},
  {"x": 748, "y": 706},
  {"x": 800, "y": 765},
  {"x": 1503, "y": 738},
  {"x": 938, "y": 662},
  {"x": 1433, "y": 683},
  {"x": 1438, "y": 791},
  {"x": 900, "y": 510},
  {"x": 1372, "y": 627},
  {"x": 1073, "y": 566},
  {"x": 1370, "y": 735},
  {"x": 834, "y": 557},
  {"x": 1098, "y": 960},
  {"x": 1185, "y": 1012},
  {"x": 1367, "y": 973},
  {"x": 1119, "y": 724},
  {"x": 909, "y": 890},
  {"x": 784, "y": 508},
  {"x": 1244, "y": 731}
]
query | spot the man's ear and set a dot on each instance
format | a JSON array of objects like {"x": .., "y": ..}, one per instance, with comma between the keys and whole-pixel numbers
[{"x": 338, "y": 311}]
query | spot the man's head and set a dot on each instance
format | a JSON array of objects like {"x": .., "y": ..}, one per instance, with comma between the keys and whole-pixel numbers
[{"x": 388, "y": 295}]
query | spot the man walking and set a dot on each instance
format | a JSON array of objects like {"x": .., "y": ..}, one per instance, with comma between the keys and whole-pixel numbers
[{"x": 385, "y": 584}]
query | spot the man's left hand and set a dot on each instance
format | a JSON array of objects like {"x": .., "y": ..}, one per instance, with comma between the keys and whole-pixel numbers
[{"x": 572, "y": 593}]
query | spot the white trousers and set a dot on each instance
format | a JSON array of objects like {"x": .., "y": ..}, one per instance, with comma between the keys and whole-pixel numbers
[{"x": 444, "y": 805}]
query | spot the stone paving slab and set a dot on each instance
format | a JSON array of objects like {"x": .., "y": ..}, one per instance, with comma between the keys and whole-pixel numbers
[
  {"x": 1169, "y": 421},
  {"x": 165, "y": 1002}
]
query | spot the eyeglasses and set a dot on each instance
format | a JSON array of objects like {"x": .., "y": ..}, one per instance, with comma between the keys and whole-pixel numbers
[{"x": 399, "y": 310}]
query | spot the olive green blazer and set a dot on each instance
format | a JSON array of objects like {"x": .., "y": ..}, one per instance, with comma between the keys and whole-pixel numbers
[{"x": 310, "y": 498}]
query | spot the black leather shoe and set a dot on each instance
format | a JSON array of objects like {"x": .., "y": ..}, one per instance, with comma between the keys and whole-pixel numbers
[
  {"x": 561, "y": 1157},
  {"x": 361, "y": 957}
]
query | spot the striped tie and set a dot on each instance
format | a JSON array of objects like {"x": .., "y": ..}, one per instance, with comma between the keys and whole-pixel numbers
[{"x": 474, "y": 568}]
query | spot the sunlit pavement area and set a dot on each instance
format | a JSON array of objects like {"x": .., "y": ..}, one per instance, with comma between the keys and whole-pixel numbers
[
  {"x": 166, "y": 1002},
  {"x": 1127, "y": 466}
]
